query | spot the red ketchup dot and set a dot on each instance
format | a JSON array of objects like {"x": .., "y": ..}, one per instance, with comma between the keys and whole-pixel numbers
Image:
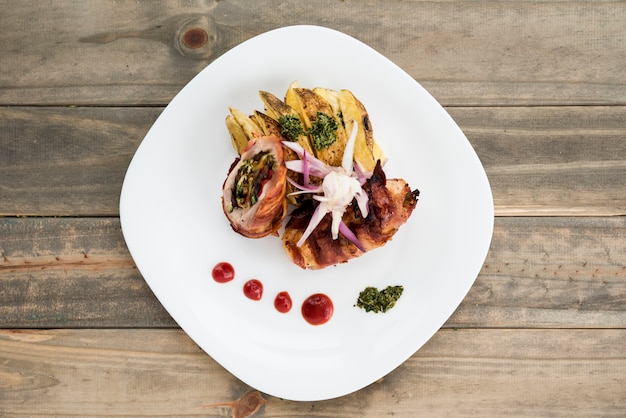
[
  {"x": 282, "y": 302},
  {"x": 223, "y": 272},
  {"x": 253, "y": 289},
  {"x": 317, "y": 309}
]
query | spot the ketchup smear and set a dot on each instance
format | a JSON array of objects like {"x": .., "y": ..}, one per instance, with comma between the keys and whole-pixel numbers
[
  {"x": 223, "y": 272},
  {"x": 282, "y": 302},
  {"x": 317, "y": 309},
  {"x": 253, "y": 289}
]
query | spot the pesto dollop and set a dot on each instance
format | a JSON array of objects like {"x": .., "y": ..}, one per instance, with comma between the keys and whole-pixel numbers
[
  {"x": 373, "y": 300},
  {"x": 323, "y": 131},
  {"x": 291, "y": 127}
]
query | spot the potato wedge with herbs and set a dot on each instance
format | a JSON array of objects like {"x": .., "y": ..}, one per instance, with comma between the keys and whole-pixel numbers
[
  {"x": 291, "y": 125},
  {"x": 327, "y": 140},
  {"x": 319, "y": 119},
  {"x": 332, "y": 97}
]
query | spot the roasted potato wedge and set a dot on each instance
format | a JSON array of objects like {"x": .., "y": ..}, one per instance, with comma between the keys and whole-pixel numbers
[
  {"x": 237, "y": 136},
  {"x": 320, "y": 120},
  {"x": 249, "y": 126},
  {"x": 269, "y": 125},
  {"x": 277, "y": 109},
  {"x": 290, "y": 95},
  {"x": 323, "y": 113},
  {"x": 274, "y": 107},
  {"x": 353, "y": 111},
  {"x": 332, "y": 97},
  {"x": 379, "y": 154}
]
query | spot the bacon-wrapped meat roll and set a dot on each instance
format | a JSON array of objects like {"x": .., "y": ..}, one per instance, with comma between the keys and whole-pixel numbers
[{"x": 253, "y": 195}]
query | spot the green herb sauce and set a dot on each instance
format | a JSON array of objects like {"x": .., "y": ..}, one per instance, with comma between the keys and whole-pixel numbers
[
  {"x": 291, "y": 127},
  {"x": 323, "y": 131},
  {"x": 373, "y": 300}
]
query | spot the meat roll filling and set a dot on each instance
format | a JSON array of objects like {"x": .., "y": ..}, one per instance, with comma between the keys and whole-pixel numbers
[{"x": 254, "y": 191}]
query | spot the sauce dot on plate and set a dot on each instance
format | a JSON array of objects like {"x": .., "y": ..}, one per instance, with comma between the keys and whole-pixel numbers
[
  {"x": 223, "y": 272},
  {"x": 317, "y": 309},
  {"x": 253, "y": 289},
  {"x": 282, "y": 302}
]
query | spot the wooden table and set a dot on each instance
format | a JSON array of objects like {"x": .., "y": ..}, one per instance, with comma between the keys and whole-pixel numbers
[{"x": 539, "y": 88}]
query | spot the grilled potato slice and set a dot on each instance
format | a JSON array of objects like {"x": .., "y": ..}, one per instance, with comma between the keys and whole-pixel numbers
[
  {"x": 333, "y": 110},
  {"x": 290, "y": 96},
  {"x": 353, "y": 111},
  {"x": 269, "y": 125},
  {"x": 237, "y": 136},
  {"x": 249, "y": 126},
  {"x": 320, "y": 120},
  {"x": 274, "y": 107},
  {"x": 379, "y": 154},
  {"x": 277, "y": 109},
  {"x": 332, "y": 97}
]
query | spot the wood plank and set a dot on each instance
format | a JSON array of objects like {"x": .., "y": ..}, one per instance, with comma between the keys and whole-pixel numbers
[
  {"x": 550, "y": 272},
  {"x": 551, "y": 161},
  {"x": 539, "y": 160},
  {"x": 67, "y": 161},
  {"x": 487, "y": 373},
  {"x": 540, "y": 272},
  {"x": 66, "y": 272},
  {"x": 464, "y": 52}
]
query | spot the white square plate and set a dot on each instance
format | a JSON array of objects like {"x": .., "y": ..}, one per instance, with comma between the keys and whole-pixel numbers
[{"x": 172, "y": 221}]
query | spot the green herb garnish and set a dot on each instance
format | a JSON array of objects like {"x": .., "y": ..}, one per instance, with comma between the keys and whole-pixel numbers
[
  {"x": 323, "y": 131},
  {"x": 291, "y": 127},
  {"x": 373, "y": 300}
]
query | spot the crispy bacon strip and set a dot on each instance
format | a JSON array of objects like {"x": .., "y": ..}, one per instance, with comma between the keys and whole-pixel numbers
[{"x": 391, "y": 203}]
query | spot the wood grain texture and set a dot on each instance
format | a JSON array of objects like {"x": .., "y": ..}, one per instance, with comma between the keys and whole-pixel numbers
[
  {"x": 537, "y": 86},
  {"x": 539, "y": 160},
  {"x": 540, "y": 272},
  {"x": 464, "y": 52},
  {"x": 62, "y": 272},
  {"x": 550, "y": 272},
  {"x": 551, "y": 160},
  {"x": 462, "y": 373},
  {"x": 60, "y": 161}
]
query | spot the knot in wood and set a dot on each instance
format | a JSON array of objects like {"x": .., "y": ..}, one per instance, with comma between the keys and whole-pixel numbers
[
  {"x": 244, "y": 407},
  {"x": 195, "y": 38}
]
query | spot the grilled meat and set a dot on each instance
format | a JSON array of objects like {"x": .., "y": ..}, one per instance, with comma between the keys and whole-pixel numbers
[{"x": 391, "y": 202}]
